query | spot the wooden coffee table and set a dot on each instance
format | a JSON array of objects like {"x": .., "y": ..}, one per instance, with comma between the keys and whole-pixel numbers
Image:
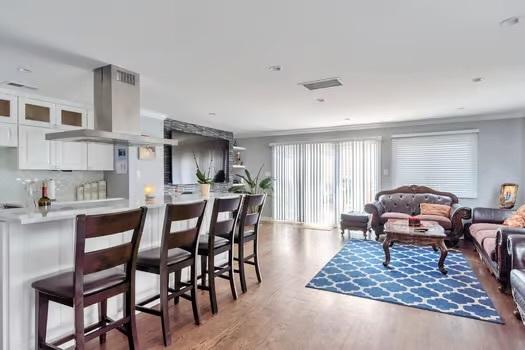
[{"x": 397, "y": 230}]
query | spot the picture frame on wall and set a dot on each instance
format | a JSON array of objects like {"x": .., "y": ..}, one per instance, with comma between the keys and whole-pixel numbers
[
  {"x": 147, "y": 153},
  {"x": 507, "y": 195}
]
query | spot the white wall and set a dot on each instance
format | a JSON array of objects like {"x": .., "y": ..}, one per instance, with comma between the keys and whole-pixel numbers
[
  {"x": 501, "y": 154},
  {"x": 12, "y": 189}
]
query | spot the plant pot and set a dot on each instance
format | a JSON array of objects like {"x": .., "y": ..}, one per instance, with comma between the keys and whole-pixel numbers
[{"x": 205, "y": 190}]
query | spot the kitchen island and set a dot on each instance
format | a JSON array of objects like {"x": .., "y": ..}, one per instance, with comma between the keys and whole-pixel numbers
[{"x": 34, "y": 245}]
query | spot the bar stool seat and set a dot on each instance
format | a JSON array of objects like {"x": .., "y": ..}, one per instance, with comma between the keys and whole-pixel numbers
[
  {"x": 151, "y": 257},
  {"x": 219, "y": 242},
  {"x": 62, "y": 285},
  {"x": 248, "y": 236}
]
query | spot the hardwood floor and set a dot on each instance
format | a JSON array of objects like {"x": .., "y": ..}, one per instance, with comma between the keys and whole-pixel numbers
[{"x": 281, "y": 313}]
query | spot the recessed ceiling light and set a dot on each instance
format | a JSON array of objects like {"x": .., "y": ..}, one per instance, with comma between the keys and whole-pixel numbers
[
  {"x": 509, "y": 22},
  {"x": 212, "y": 114},
  {"x": 320, "y": 100},
  {"x": 24, "y": 70},
  {"x": 461, "y": 108},
  {"x": 477, "y": 79},
  {"x": 347, "y": 119},
  {"x": 276, "y": 68}
]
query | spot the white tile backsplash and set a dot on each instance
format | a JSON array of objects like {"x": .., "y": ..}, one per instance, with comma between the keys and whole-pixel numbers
[{"x": 12, "y": 189}]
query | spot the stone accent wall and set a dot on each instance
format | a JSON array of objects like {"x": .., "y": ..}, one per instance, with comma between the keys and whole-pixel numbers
[{"x": 175, "y": 125}]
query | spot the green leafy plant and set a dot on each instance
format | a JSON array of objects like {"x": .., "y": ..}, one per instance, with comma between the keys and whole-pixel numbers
[
  {"x": 202, "y": 177},
  {"x": 253, "y": 185}
]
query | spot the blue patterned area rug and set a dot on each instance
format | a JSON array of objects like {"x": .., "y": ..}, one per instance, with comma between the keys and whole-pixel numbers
[{"x": 412, "y": 279}]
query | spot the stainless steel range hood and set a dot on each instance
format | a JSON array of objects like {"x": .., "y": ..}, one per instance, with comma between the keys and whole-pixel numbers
[{"x": 117, "y": 112}]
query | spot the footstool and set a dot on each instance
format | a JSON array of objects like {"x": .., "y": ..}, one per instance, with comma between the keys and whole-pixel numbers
[{"x": 355, "y": 221}]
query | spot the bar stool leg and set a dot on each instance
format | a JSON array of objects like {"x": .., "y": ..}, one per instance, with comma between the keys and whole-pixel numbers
[
  {"x": 164, "y": 311},
  {"x": 194, "y": 304},
  {"x": 211, "y": 283},
  {"x": 177, "y": 284},
  {"x": 102, "y": 316},
  {"x": 242, "y": 271},
  {"x": 256, "y": 260},
  {"x": 129, "y": 310},
  {"x": 79, "y": 325},
  {"x": 203, "y": 270},
  {"x": 41, "y": 309},
  {"x": 232, "y": 274}
]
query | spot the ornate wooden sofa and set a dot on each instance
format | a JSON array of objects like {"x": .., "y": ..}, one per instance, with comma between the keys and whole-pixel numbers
[{"x": 404, "y": 201}]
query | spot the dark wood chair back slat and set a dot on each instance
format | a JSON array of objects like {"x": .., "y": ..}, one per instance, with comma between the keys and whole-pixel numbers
[
  {"x": 223, "y": 227},
  {"x": 187, "y": 239},
  {"x": 251, "y": 219},
  {"x": 110, "y": 224},
  {"x": 108, "y": 258},
  {"x": 182, "y": 239},
  {"x": 228, "y": 204},
  {"x": 93, "y": 226}
]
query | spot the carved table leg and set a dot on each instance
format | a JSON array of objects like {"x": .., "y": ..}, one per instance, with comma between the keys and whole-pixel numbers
[
  {"x": 444, "y": 251},
  {"x": 434, "y": 247},
  {"x": 386, "y": 248}
]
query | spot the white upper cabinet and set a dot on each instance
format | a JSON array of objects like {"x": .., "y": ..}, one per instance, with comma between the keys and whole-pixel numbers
[
  {"x": 34, "y": 152},
  {"x": 36, "y": 112},
  {"x": 71, "y": 155},
  {"x": 68, "y": 117},
  {"x": 8, "y": 110},
  {"x": 8, "y": 135},
  {"x": 100, "y": 156}
]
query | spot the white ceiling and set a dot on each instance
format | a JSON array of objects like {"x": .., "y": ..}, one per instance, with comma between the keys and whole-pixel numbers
[{"x": 399, "y": 60}]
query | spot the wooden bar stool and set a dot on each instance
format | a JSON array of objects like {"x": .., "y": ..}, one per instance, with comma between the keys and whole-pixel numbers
[
  {"x": 97, "y": 276},
  {"x": 177, "y": 251},
  {"x": 219, "y": 240},
  {"x": 249, "y": 220}
]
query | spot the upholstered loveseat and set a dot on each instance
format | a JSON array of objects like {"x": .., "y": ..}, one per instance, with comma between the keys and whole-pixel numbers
[
  {"x": 516, "y": 249},
  {"x": 405, "y": 201},
  {"x": 490, "y": 238}
]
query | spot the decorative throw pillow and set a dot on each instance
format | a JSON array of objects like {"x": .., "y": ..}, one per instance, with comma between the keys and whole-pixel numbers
[
  {"x": 434, "y": 209},
  {"x": 521, "y": 211},
  {"x": 516, "y": 220}
]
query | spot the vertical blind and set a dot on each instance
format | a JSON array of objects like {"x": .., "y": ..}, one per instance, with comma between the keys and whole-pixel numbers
[
  {"x": 314, "y": 182},
  {"x": 445, "y": 162}
]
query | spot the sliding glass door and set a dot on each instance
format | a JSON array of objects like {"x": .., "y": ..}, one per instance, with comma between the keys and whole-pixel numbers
[{"x": 315, "y": 182}]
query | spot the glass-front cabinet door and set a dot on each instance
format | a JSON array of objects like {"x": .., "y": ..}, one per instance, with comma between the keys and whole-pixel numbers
[
  {"x": 36, "y": 112},
  {"x": 8, "y": 112},
  {"x": 69, "y": 117}
]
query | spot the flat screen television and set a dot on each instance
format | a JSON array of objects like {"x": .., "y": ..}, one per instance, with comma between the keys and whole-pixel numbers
[{"x": 211, "y": 153}]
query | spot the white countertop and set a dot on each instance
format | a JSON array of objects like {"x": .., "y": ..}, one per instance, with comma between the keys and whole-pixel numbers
[{"x": 69, "y": 210}]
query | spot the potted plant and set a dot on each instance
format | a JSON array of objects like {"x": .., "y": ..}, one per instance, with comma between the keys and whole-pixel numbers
[
  {"x": 253, "y": 185},
  {"x": 203, "y": 179}
]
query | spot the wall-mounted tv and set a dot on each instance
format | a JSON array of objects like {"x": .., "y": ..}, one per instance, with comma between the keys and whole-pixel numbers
[{"x": 210, "y": 152}]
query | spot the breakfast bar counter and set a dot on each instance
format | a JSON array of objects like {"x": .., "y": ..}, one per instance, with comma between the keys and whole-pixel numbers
[{"x": 34, "y": 245}]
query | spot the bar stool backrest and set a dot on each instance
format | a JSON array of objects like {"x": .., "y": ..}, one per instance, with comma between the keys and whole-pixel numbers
[
  {"x": 186, "y": 239},
  {"x": 252, "y": 207},
  {"x": 93, "y": 226},
  {"x": 226, "y": 227}
]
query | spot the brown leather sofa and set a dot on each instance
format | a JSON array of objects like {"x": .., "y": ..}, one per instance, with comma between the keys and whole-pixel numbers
[
  {"x": 516, "y": 249},
  {"x": 490, "y": 238},
  {"x": 404, "y": 201}
]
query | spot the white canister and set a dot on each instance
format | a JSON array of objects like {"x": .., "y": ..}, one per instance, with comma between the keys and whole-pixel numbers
[
  {"x": 80, "y": 193},
  {"x": 102, "y": 189},
  {"x": 51, "y": 190},
  {"x": 94, "y": 190},
  {"x": 87, "y": 192}
]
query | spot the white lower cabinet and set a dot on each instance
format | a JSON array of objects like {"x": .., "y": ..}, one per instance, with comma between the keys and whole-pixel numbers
[
  {"x": 8, "y": 135},
  {"x": 99, "y": 156},
  {"x": 34, "y": 152}
]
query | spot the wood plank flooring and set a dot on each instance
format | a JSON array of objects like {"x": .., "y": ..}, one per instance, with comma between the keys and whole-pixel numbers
[{"x": 281, "y": 313}]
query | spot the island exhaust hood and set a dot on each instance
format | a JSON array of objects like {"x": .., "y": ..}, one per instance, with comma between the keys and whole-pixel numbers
[{"x": 117, "y": 112}]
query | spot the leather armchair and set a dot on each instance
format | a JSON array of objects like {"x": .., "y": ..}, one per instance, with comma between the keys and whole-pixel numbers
[{"x": 516, "y": 250}]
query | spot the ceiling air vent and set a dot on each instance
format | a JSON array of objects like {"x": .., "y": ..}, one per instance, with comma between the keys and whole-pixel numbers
[
  {"x": 18, "y": 85},
  {"x": 126, "y": 77},
  {"x": 322, "y": 84}
]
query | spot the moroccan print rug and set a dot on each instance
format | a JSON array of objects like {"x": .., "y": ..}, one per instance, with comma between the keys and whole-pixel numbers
[{"x": 412, "y": 279}]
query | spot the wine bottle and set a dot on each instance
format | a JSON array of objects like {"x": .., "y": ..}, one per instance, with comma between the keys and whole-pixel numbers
[{"x": 44, "y": 201}]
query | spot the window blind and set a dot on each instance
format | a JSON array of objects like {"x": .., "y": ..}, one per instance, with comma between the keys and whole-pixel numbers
[{"x": 445, "y": 162}]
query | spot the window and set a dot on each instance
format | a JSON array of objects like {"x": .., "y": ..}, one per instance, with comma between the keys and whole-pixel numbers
[
  {"x": 442, "y": 161},
  {"x": 315, "y": 182}
]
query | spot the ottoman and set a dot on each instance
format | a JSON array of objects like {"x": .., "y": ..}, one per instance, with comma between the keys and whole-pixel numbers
[{"x": 355, "y": 221}]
